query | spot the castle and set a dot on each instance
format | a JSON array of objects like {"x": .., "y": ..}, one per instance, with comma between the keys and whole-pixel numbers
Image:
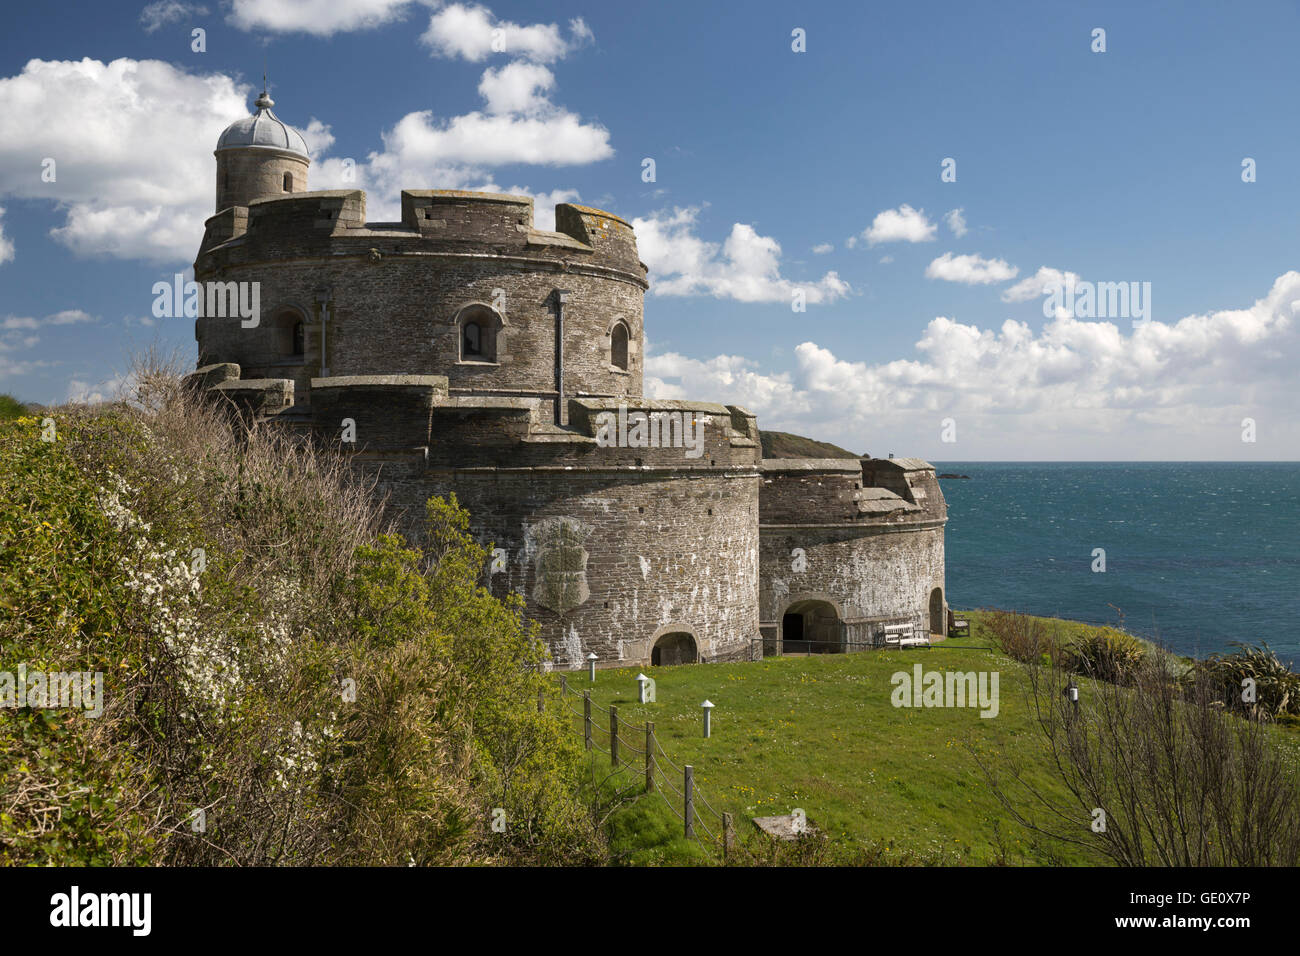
[{"x": 462, "y": 349}]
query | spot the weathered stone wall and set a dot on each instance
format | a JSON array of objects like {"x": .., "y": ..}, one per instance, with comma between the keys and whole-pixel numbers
[
  {"x": 245, "y": 175},
  {"x": 390, "y": 294},
  {"x": 833, "y": 536}
]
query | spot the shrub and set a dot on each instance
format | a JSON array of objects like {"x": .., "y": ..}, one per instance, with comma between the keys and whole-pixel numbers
[
  {"x": 1276, "y": 687},
  {"x": 284, "y": 682},
  {"x": 1021, "y": 637},
  {"x": 1106, "y": 654}
]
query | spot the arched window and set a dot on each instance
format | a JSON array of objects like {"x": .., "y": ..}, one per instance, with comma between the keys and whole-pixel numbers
[
  {"x": 477, "y": 327},
  {"x": 288, "y": 182},
  {"x": 289, "y": 324},
  {"x": 618, "y": 346}
]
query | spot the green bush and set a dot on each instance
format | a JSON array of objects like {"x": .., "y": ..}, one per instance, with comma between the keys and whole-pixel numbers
[
  {"x": 11, "y": 408},
  {"x": 1107, "y": 655},
  {"x": 1274, "y": 686},
  {"x": 283, "y": 682}
]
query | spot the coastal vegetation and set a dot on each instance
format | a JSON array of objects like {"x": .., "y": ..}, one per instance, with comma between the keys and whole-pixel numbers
[{"x": 286, "y": 681}]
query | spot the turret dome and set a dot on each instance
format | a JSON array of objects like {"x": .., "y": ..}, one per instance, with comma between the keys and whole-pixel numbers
[{"x": 263, "y": 130}]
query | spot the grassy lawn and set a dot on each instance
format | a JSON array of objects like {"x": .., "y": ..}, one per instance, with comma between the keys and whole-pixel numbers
[{"x": 820, "y": 733}]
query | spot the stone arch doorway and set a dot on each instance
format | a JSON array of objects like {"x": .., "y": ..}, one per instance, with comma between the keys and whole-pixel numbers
[
  {"x": 936, "y": 611},
  {"x": 812, "y": 626},
  {"x": 674, "y": 647}
]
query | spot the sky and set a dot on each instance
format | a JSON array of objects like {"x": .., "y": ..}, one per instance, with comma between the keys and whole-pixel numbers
[{"x": 902, "y": 228}]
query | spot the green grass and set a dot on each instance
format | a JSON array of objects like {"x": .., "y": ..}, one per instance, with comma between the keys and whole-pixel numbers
[
  {"x": 786, "y": 445},
  {"x": 821, "y": 734}
]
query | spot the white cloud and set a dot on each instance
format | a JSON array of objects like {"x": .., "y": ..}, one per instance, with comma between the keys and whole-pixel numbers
[
  {"x": 970, "y": 270},
  {"x": 6, "y": 245},
  {"x": 822, "y": 248},
  {"x": 473, "y": 32},
  {"x": 132, "y": 143},
  {"x": 1042, "y": 282},
  {"x": 139, "y": 135},
  {"x": 1075, "y": 388},
  {"x": 745, "y": 267},
  {"x": 157, "y": 15},
  {"x": 886, "y": 260},
  {"x": 956, "y": 222},
  {"x": 317, "y": 17},
  {"x": 66, "y": 317},
  {"x": 84, "y": 393},
  {"x": 903, "y": 224}
]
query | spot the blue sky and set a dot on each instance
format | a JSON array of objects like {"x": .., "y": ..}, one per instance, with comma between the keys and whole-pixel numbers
[{"x": 1072, "y": 167}]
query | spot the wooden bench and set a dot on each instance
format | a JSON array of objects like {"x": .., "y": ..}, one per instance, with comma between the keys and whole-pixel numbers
[
  {"x": 958, "y": 626},
  {"x": 903, "y": 635}
]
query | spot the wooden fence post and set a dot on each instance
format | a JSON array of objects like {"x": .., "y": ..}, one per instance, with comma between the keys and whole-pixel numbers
[
  {"x": 613, "y": 735},
  {"x": 649, "y": 757},
  {"x": 564, "y": 684},
  {"x": 728, "y": 836},
  {"x": 586, "y": 718},
  {"x": 541, "y": 700},
  {"x": 689, "y": 814}
]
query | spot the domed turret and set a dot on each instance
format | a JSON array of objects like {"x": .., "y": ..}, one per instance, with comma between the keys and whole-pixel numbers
[{"x": 260, "y": 157}]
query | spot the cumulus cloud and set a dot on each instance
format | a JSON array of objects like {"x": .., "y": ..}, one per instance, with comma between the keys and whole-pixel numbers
[
  {"x": 903, "y": 224},
  {"x": 1075, "y": 388},
  {"x": 956, "y": 222},
  {"x": 317, "y": 17},
  {"x": 822, "y": 248},
  {"x": 745, "y": 267},
  {"x": 6, "y": 245},
  {"x": 970, "y": 270},
  {"x": 66, "y": 317},
  {"x": 473, "y": 32},
  {"x": 1043, "y": 282},
  {"x": 139, "y": 135},
  {"x": 158, "y": 15}
]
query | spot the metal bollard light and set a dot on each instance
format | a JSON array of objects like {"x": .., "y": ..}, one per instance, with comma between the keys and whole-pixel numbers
[
  {"x": 591, "y": 667},
  {"x": 708, "y": 713},
  {"x": 642, "y": 682}
]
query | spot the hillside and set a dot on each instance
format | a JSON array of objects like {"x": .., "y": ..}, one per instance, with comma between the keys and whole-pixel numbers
[{"x": 786, "y": 445}]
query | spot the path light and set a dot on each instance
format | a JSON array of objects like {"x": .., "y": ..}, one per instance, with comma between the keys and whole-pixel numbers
[
  {"x": 708, "y": 712},
  {"x": 591, "y": 667},
  {"x": 641, "y": 683}
]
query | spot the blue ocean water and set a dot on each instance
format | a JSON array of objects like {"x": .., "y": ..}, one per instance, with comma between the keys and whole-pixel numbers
[{"x": 1198, "y": 554}]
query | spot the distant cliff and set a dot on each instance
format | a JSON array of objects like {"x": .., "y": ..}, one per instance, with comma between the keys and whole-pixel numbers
[{"x": 785, "y": 445}]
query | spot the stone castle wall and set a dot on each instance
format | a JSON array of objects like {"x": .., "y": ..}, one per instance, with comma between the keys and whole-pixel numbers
[
  {"x": 385, "y": 298},
  {"x": 618, "y": 547}
]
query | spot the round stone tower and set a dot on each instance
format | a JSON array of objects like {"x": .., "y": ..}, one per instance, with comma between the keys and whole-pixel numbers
[{"x": 260, "y": 157}]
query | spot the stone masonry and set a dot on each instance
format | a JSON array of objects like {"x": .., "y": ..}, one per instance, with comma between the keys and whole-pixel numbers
[{"x": 463, "y": 350}]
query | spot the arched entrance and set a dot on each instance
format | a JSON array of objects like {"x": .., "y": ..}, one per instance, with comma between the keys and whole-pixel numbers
[
  {"x": 676, "y": 647},
  {"x": 812, "y": 626},
  {"x": 936, "y": 611}
]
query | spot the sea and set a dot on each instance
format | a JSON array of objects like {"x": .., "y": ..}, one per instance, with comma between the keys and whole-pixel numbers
[{"x": 1198, "y": 555}]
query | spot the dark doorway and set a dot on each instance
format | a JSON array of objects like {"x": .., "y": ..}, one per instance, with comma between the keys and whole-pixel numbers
[
  {"x": 812, "y": 627},
  {"x": 792, "y": 633},
  {"x": 675, "y": 648}
]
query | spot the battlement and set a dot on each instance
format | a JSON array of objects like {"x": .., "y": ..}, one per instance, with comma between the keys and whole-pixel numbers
[
  {"x": 432, "y": 220},
  {"x": 833, "y": 491}
]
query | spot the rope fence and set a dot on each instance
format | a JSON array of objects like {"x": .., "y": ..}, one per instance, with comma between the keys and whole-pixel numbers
[{"x": 692, "y": 808}]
